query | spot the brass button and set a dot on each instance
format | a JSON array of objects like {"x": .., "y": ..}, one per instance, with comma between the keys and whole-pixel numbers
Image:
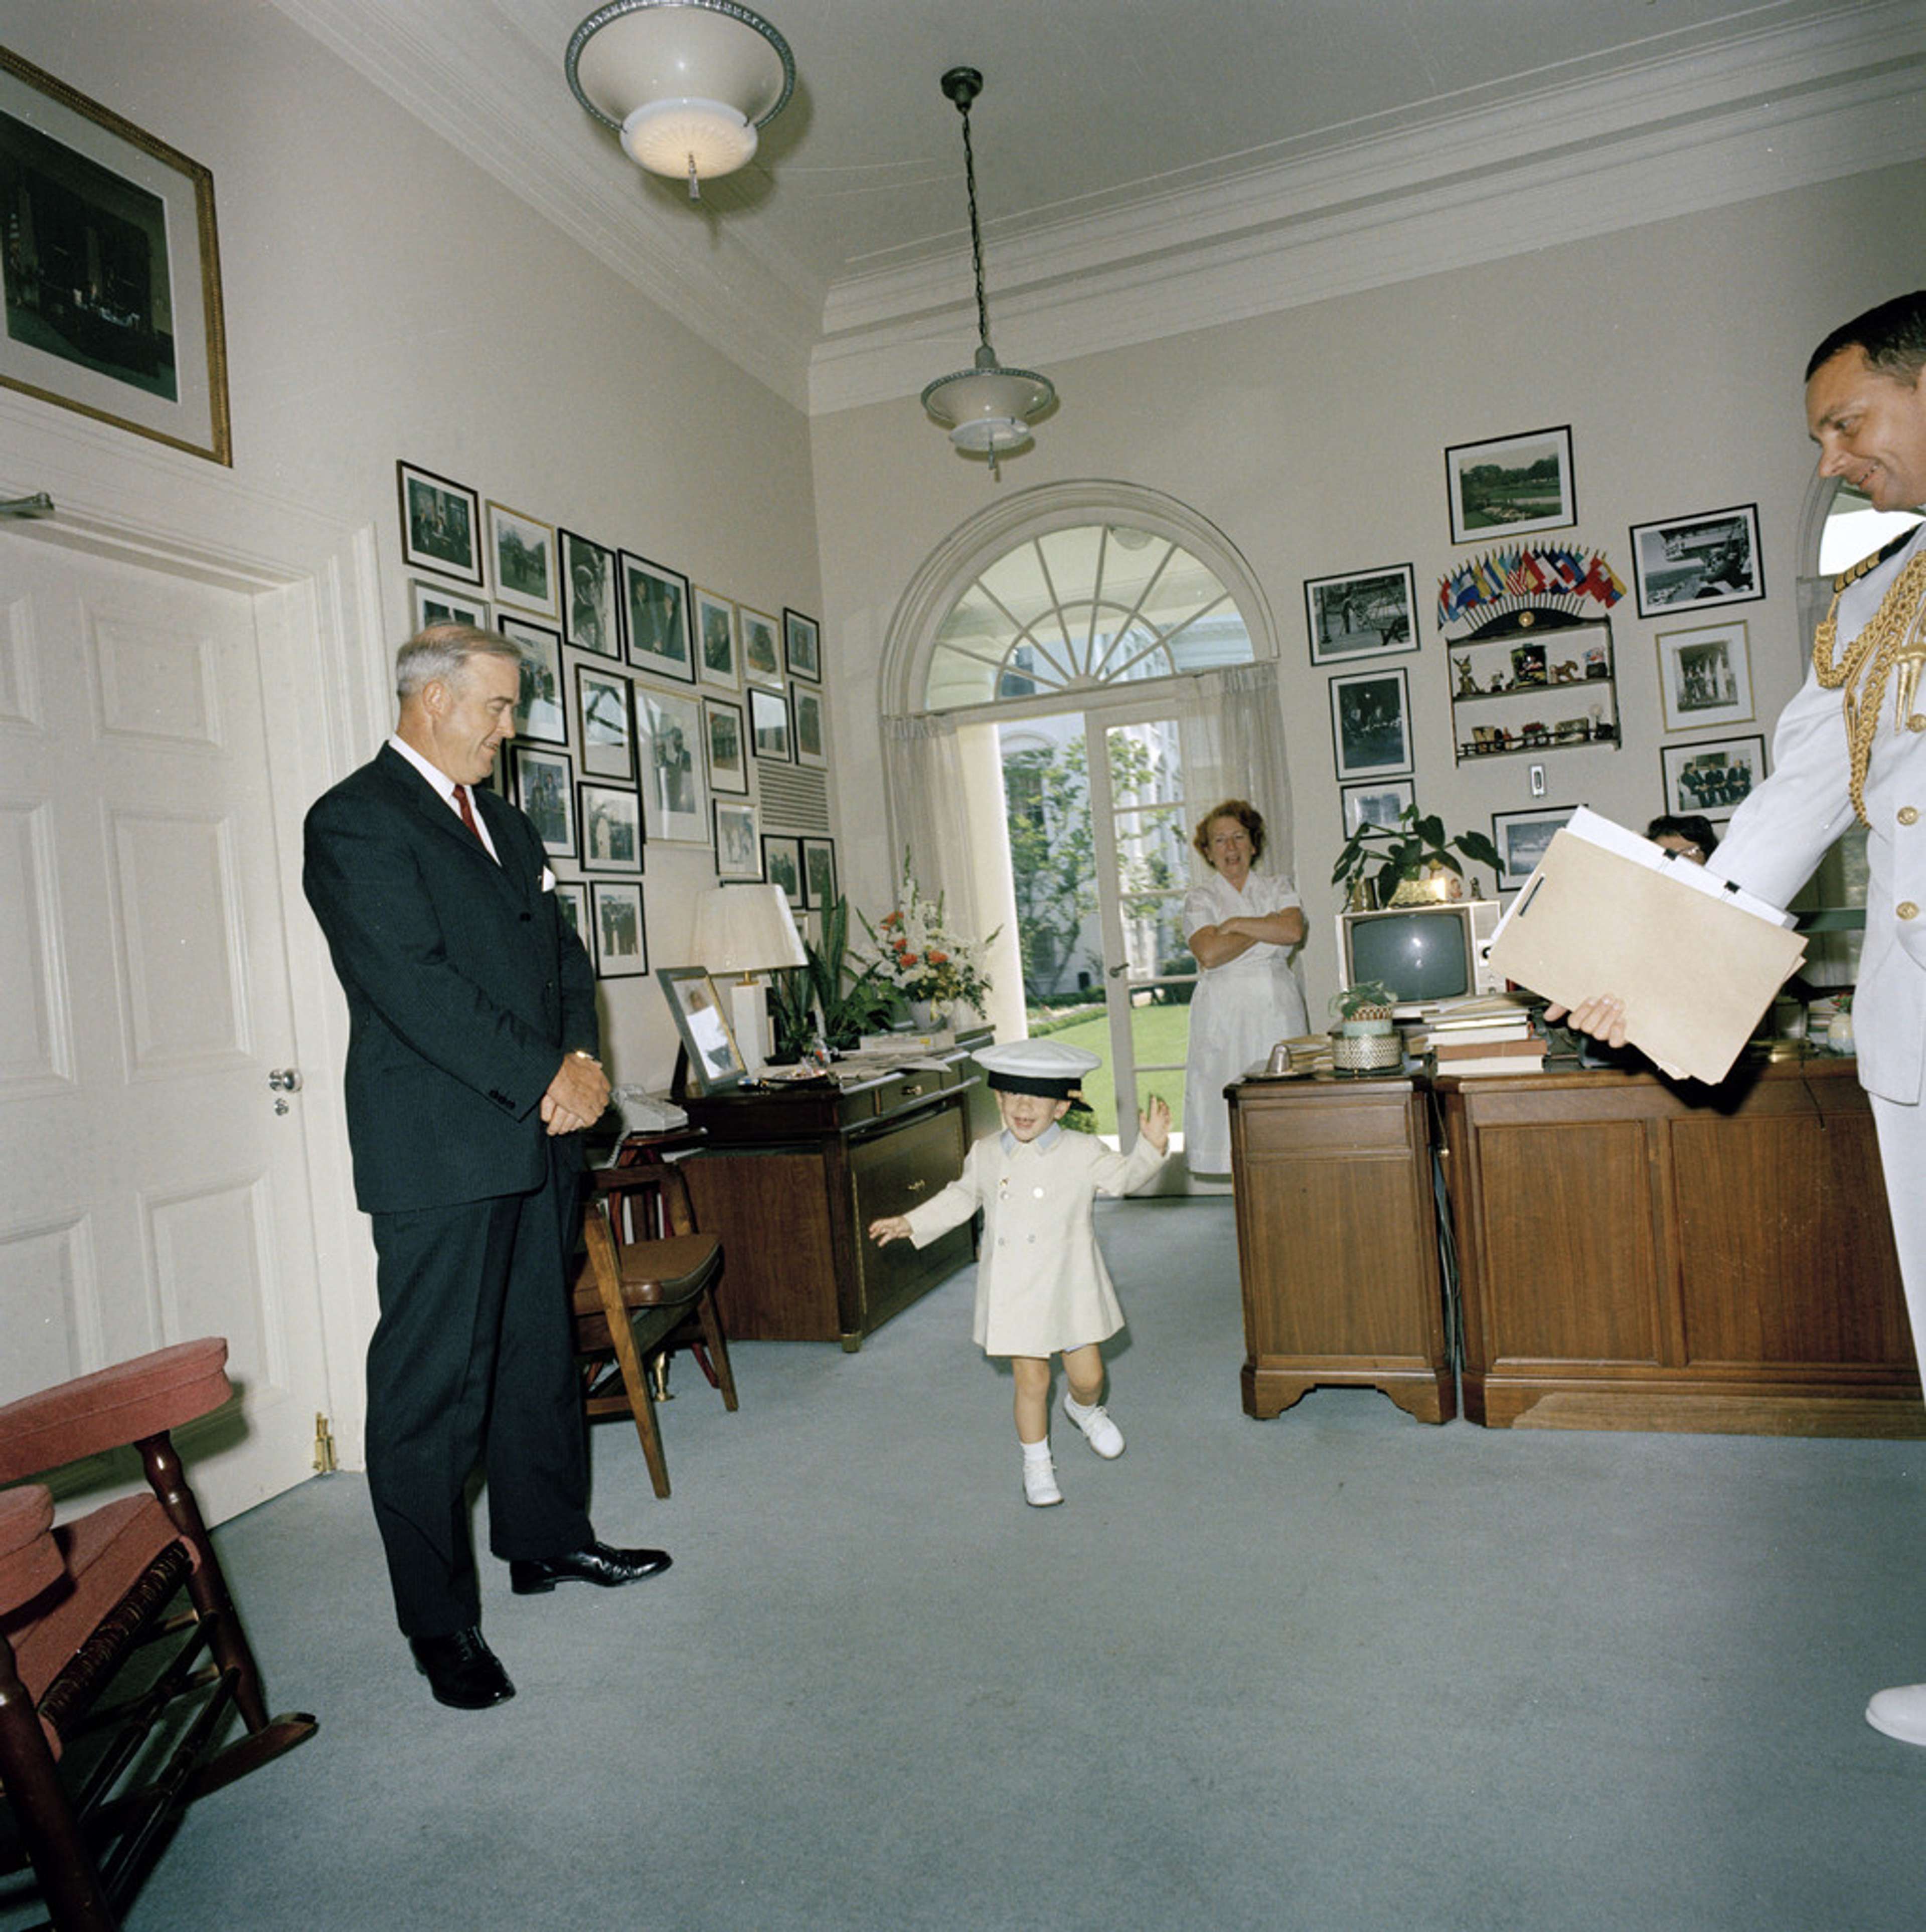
[
  {"x": 1908, "y": 815},
  {"x": 1917, "y": 722},
  {"x": 1907, "y": 910}
]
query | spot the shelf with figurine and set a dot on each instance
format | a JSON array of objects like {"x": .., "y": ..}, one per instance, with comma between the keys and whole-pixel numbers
[{"x": 1533, "y": 692}]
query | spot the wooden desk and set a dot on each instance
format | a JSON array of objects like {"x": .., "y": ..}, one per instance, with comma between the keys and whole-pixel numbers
[
  {"x": 1337, "y": 1244},
  {"x": 791, "y": 1177},
  {"x": 1637, "y": 1255}
]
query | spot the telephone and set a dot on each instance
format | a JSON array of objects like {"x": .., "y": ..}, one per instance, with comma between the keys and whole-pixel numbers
[{"x": 643, "y": 1113}]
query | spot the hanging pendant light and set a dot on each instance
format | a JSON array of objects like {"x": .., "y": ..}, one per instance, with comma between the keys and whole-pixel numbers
[
  {"x": 986, "y": 409},
  {"x": 686, "y": 83}
]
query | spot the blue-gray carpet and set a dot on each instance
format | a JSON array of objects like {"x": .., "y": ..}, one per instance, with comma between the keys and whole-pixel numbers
[{"x": 1337, "y": 1671}]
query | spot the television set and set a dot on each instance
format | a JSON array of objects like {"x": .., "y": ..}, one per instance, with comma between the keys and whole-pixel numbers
[{"x": 1424, "y": 953}]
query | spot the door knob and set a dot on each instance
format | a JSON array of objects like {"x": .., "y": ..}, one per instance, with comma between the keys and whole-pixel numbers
[{"x": 284, "y": 1080}]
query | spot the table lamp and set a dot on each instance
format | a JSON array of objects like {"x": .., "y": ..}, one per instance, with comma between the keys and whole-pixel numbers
[{"x": 742, "y": 930}]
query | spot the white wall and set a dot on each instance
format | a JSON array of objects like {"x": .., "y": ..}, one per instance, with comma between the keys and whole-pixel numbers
[
  {"x": 1315, "y": 438},
  {"x": 384, "y": 299}
]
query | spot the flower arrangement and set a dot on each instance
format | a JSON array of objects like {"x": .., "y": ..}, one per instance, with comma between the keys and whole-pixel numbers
[{"x": 920, "y": 956}]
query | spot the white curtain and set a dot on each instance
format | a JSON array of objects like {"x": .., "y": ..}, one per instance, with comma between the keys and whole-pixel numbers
[
  {"x": 929, "y": 812},
  {"x": 1231, "y": 732}
]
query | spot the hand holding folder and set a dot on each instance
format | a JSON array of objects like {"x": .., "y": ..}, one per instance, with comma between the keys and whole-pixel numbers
[{"x": 1696, "y": 962}]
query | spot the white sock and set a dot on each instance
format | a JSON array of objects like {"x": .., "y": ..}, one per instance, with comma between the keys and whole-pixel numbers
[
  {"x": 1074, "y": 1409},
  {"x": 1034, "y": 1452}
]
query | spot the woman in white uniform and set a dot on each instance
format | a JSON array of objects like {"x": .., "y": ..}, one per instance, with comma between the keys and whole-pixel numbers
[{"x": 1242, "y": 926}]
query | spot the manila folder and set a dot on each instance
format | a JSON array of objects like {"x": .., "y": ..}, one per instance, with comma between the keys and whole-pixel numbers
[{"x": 1694, "y": 970}]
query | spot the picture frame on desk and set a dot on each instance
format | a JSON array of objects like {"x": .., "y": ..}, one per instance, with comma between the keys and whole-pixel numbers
[{"x": 715, "y": 1062}]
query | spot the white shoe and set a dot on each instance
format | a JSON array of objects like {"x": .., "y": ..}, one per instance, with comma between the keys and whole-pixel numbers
[
  {"x": 1900, "y": 1713},
  {"x": 1099, "y": 1431},
  {"x": 1040, "y": 1489}
]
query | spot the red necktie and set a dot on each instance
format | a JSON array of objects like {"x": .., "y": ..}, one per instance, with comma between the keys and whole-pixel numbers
[{"x": 468, "y": 815}]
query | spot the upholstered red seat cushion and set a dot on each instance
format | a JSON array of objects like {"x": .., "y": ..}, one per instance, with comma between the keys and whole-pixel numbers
[{"x": 112, "y": 1407}]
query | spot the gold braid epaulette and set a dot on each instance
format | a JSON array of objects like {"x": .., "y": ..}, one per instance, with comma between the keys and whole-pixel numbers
[{"x": 1895, "y": 634}]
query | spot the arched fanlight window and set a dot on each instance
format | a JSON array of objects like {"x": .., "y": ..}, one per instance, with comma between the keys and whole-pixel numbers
[{"x": 1073, "y": 608}]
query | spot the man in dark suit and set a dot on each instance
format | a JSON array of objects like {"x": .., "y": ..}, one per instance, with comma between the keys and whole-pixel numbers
[{"x": 472, "y": 1071}]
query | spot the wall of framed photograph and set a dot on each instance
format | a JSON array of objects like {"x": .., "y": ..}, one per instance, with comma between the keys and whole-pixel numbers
[
  {"x": 655, "y": 618},
  {"x": 620, "y": 931},
  {"x": 1522, "y": 839},
  {"x": 1711, "y": 778},
  {"x": 612, "y": 829},
  {"x": 716, "y": 644},
  {"x": 802, "y": 646},
  {"x": 571, "y": 899},
  {"x": 1705, "y": 676},
  {"x": 544, "y": 789},
  {"x": 769, "y": 732},
  {"x": 440, "y": 525},
  {"x": 1709, "y": 559},
  {"x": 540, "y": 713},
  {"x": 603, "y": 704},
  {"x": 806, "y": 709},
  {"x": 738, "y": 843},
  {"x": 762, "y": 648},
  {"x": 1370, "y": 723},
  {"x": 726, "y": 746},
  {"x": 1512, "y": 486},
  {"x": 782, "y": 866},
  {"x": 1377, "y": 803},
  {"x": 523, "y": 553},
  {"x": 436, "y": 603},
  {"x": 591, "y": 605},
  {"x": 1362, "y": 614},
  {"x": 819, "y": 873},
  {"x": 668, "y": 739}
]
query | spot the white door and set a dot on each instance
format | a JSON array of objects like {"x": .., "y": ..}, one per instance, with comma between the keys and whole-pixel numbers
[{"x": 153, "y": 1182}]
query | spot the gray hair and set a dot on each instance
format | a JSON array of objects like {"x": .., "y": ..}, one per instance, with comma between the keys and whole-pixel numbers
[{"x": 441, "y": 653}]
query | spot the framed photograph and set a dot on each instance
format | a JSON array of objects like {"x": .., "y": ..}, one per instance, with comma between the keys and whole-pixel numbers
[
  {"x": 541, "y": 714},
  {"x": 440, "y": 524},
  {"x": 1712, "y": 779},
  {"x": 807, "y": 705},
  {"x": 621, "y": 937},
  {"x": 612, "y": 831},
  {"x": 1521, "y": 837},
  {"x": 111, "y": 267},
  {"x": 655, "y": 614},
  {"x": 723, "y": 741},
  {"x": 1712, "y": 558},
  {"x": 738, "y": 849},
  {"x": 1370, "y": 723},
  {"x": 819, "y": 873},
  {"x": 1366, "y": 613},
  {"x": 769, "y": 734},
  {"x": 602, "y": 703},
  {"x": 590, "y": 613},
  {"x": 544, "y": 789},
  {"x": 669, "y": 739},
  {"x": 1511, "y": 486},
  {"x": 571, "y": 900},
  {"x": 802, "y": 646},
  {"x": 523, "y": 549},
  {"x": 762, "y": 656},
  {"x": 1705, "y": 676},
  {"x": 1377, "y": 804},
  {"x": 782, "y": 866},
  {"x": 436, "y": 603},
  {"x": 715, "y": 640},
  {"x": 715, "y": 1061}
]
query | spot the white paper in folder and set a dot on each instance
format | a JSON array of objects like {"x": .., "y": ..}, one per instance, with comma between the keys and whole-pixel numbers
[{"x": 1696, "y": 962}]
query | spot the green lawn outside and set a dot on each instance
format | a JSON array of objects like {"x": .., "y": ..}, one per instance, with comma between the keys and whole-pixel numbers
[{"x": 1161, "y": 1033}]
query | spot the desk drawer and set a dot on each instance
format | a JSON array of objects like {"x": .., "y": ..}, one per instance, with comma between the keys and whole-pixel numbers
[{"x": 905, "y": 1090}]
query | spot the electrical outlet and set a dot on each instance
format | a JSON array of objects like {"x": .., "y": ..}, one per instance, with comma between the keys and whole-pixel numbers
[{"x": 1537, "y": 782}]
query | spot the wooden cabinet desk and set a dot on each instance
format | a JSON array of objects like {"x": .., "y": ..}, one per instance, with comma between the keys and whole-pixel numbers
[
  {"x": 791, "y": 1178},
  {"x": 1635, "y": 1255},
  {"x": 1337, "y": 1244}
]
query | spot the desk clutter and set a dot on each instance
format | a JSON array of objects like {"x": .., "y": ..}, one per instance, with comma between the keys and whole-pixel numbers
[{"x": 1493, "y": 1033}]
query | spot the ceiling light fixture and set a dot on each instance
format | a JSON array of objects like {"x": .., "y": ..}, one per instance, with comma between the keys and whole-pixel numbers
[
  {"x": 686, "y": 83},
  {"x": 986, "y": 409}
]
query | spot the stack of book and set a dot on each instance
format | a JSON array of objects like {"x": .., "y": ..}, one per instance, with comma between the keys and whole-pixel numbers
[{"x": 1487, "y": 1034}]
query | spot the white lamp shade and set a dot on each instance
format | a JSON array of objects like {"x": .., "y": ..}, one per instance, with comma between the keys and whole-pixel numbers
[
  {"x": 746, "y": 929},
  {"x": 988, "y": 408},
  {"x": 676, "y": 137}
]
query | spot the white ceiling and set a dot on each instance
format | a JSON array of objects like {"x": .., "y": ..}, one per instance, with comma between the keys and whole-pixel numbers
[{"x": 1145, "y": 168}]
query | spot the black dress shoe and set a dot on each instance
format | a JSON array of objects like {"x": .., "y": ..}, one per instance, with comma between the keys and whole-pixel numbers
[
  {"x": 594, "y": 1563},
  {"x": 461, "y": 1669}
]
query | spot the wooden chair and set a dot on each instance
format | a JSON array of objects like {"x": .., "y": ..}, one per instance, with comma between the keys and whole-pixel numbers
[
  {"x": 93, "y": 1789},
  {"x": 635, "y": 1297}
]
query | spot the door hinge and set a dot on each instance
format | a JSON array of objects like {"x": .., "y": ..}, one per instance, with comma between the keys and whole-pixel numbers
[{"x": 324, "y": 1445}]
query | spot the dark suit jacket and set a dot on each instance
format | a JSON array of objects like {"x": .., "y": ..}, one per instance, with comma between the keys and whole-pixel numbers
[{"x": 465, "y": 985}]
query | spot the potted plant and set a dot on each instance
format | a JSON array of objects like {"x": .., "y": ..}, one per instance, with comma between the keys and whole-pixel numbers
[
  {"x": 849, "y": 1001},
  {"x": 1364, "y": 1010},
  {"x": 1392, "y": 861}
]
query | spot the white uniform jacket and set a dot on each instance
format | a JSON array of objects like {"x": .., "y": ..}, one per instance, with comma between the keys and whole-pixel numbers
[
  {"x": 1784, "y": 829},
  {"x": 1041, "y": 1285}
]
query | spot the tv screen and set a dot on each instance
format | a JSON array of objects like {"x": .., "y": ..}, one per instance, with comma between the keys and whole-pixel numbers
[{"x": 1422, "y": 953}]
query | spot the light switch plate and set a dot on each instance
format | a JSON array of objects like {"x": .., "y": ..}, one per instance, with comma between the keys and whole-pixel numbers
[{"x": 1537, "y": 782}]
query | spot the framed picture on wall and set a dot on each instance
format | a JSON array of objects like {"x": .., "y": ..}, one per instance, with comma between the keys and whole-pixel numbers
[
  {"x": 602, "y": 703},
  {"x": 540, "y": 713},
  {"x": 1370, "y": 723},
  {"x": 544, "y": 790},
  {"x": 524, "y": 550},
  {"x": 802, "y": 646},
  {"x": 762, "y": 652},
  {"x": 739, "y": 849},
  {"x": 723, "y": 740},
  {"x": 1378, "y": 804},
  {"x": 819, "y": 873},
  {"x": 715, "y": 640},
  {"x": 1511, "y": 486},
  {"x": 655, "y": 612},
  {"x": 440, "y": 524},
  {"x": 1705, "y": 676},
  {"x": 436, "y": 603},
  {"x": 807, "y": 705},
  {"x": 782, "y": 866},
  {"x": 669, "y": 738},
  {"x": 1711, "y": 558},
  {"x": 1712, "y": 779},
  {"x": 1522, "y": 838},
  {"x": 621, "y": 932},
  {"x": 147, "y": 349},
  {"x": 571, "y": 900},
  {"x": 769, "y": 733},
  {"x": 1364, "y": 613},
  {"x": 612, "y": 831},
  {"x": 590, "y": 619}
]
